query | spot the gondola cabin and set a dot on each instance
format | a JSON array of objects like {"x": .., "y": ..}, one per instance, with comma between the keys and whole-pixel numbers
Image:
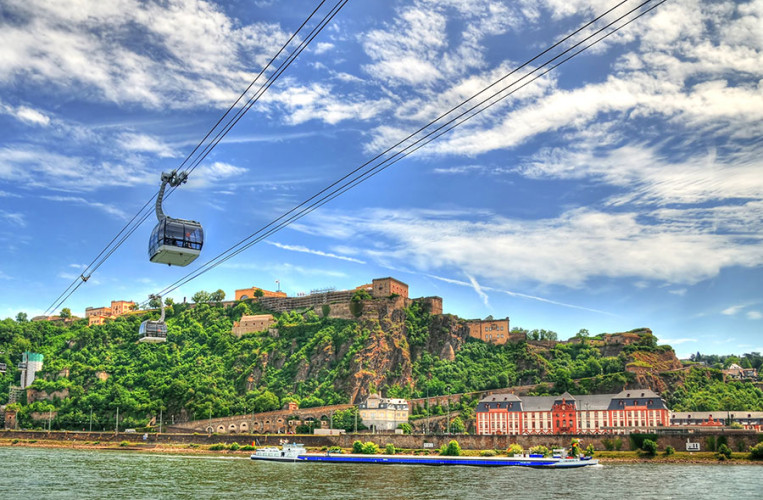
[
  {"x": 176, "y": 242},
  {"x": 153, "y": 331}
]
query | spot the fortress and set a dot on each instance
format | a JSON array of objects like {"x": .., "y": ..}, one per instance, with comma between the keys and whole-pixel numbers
[{"x": 366, "y": 300}]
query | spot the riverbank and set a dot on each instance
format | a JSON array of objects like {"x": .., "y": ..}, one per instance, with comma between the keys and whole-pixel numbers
[{"x": 604, "y": 457}]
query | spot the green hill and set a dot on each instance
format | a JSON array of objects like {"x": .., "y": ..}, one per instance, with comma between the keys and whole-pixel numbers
[{"x": 203, "y": 370}]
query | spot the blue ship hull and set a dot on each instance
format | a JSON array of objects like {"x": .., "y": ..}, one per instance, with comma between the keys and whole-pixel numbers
[{"x": 540, "y": 463}]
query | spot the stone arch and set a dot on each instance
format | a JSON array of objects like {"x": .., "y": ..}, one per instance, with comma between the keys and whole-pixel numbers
[
  {"x": 221, "y": 429},
  {"x": 232, "y": 428},
  {"x": 209, "y": 429},
  {"x": 244, "y": 297},
  {"x": 243, "y": 427}
]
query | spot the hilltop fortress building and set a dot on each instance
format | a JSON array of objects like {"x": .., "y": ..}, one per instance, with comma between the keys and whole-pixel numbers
[
  {"x": 99, "y": 315},
  {"x": 336, "y": 303}
]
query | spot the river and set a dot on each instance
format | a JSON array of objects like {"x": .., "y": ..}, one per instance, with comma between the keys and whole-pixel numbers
[{"x": 84, "y": 474}]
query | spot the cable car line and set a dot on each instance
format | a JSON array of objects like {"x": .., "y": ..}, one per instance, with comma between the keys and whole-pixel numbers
[
  {"x": 143, "y": 214},
  {"x": 286, "y": 219}
]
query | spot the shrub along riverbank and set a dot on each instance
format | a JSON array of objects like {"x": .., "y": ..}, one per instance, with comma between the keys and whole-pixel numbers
[{"x": 245, "y": 449}]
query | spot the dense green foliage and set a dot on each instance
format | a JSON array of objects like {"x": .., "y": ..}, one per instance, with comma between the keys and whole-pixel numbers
[
  {"x": 201, "y": 372},
  {"x": 649, "y": 447},
  {"x": 747, "y": 360},
  {"x": 705, "y": 390},
  {"x": 452, "y": 449},
  {"x": 204, "y": 371}
]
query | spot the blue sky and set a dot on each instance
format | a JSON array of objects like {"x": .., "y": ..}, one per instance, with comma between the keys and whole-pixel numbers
[{"x": 621, "y": 190}]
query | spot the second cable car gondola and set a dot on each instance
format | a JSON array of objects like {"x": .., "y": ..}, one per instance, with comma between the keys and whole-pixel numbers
[
  {"x": 154, "y": 331},
  {"x": 174, "y": 241}
]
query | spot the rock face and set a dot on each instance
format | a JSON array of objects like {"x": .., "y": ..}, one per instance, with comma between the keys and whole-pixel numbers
[{"x": 387, "y": 359}]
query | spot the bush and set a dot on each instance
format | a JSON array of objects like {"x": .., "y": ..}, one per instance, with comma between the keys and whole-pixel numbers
[
  {"x": 124, "y": 443},
  {"x": 723, "y": 452},
  {"x": 389, "y": 449},
  {"x": 357, "y": 447},
  {"x": 514, "y": 449},
  {"x": 609, "y": 445},
  {"x": 637, "y": 440},
  {"x": 234, "y": 446},
  {"x": 618, "y": 444},
  {"x": 217, "y": 447},
  {"x": 540, "y": 450},
  {"x": 649, "y": 447},
  {"x": 14, "y": 441},
  {"x": 756, "y": 452},
  {"x": 193, "y": 445},
  {"x": 669, "y": 450},
  {"x": 248, "y": 447},
  {"x": 453, "y": 449},
  {"x": 575, "y": 447},
  {"x": 370, "y": 448},
  {"x": 487, "y": 453},
  {"x": 406, "y": 427},
  {"x": 710, "y": 443},
  {"x": 590, "y": 450}
]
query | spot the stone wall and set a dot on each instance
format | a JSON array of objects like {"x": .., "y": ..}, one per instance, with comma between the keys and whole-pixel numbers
[
  {"x": 467, "y": 442},
  {"x": 278, "y": 422}
]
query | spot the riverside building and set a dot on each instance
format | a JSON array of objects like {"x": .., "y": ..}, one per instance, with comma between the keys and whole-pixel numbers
[{"x": 627, "y": 411}]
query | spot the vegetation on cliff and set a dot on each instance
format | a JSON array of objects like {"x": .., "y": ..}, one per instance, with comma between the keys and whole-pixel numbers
[{"x": 204, "y": 371}]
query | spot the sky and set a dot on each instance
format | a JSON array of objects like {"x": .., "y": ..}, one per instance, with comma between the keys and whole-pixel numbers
[{"x": 621, "y": 190}]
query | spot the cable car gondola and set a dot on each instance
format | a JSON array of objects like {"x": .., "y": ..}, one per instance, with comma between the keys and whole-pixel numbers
[
  {"x": 174, "y": 241},
  {"x": 154, "y": 331}
]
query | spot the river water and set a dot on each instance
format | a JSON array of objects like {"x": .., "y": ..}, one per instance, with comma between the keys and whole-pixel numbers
[{"x": 53, "y": 473}]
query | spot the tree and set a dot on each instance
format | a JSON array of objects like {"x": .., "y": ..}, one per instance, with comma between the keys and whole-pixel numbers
[
  {"x": 457, "y": 426},
  {"x": 452, "y": 449},
  {"x": 405, "y": 427},
  {"x": 155, "y": 302},
  {"x": 258, "y": 293},
  {"x": 582, "y": 333},
  {"x": 22, "y": 318},
  {"x": 169, "y": 301},
  {"x": 65, "y": 313},
  {"x": 201, "y": 297},
  {"x": 649, "y": 447},
  {"x": 217, "y": 296}
]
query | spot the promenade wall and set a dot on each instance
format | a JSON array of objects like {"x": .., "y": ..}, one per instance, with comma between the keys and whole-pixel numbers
[{"x": 735, "y": 439}]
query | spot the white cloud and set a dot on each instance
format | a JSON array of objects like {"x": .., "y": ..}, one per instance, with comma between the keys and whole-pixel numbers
[
  {"x": 26, "y": 114},
  {"x": 16, "y": 219},
  {"x": 109, "y": 209},
  {"x": 143, "y": 143},
  {"x": 208, "y": 174},
  {"x": 318, "y": 101},
  {"x": 323, "y": 47},
  {"x": 517, "y": 294},
  {"x": 478, "y": 289},
  {"x": 733, "y": 310},
  {"x": 568, "y": 250},
  {"x": 39, "y": 167},
  {"x": 303, "y": 249},
  {"x": 754, "y": 315},
  {"x": 191, "y": 53},
  {"x": 650, "y": 177},
  {"x": 676, "y": 341}
]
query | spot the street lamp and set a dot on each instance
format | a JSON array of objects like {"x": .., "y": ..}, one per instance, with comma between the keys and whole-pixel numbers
[{"x": 91, "y": 419}]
